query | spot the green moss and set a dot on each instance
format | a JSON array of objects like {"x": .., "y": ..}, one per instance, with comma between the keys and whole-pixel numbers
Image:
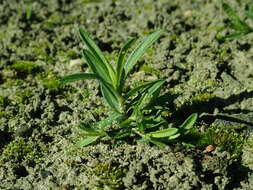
[
  {"x": 203, "y": 97},
  {"x": 149, "y": 70},
  {"x": 19, "y": 150},
  {"x": 52, "y": 84},
  {"x": 53, "y": 20},
  {"x": 107, "y": 176},
  {"x": 226, "y": 138},
  {"x": 70, "y": 54},
  {"x": 26, "y": 67}
]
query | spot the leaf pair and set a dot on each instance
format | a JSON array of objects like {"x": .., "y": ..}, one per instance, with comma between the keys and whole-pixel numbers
[
  {"x": 240, "y": 26},
  {"x": 157, "y": 137}
]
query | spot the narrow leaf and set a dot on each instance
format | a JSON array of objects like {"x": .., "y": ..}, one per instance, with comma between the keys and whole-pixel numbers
[
  {"x": 120, "y": 62},
  {"x": 189, "y": 122},
  {"x": 96, "y": 66},
  {"x": 89, "y": 130},
  {"x": 122, "y": 134},
  {"x": 163, "y": 133},
  {"x": 91, "y": 45},
  {"x": 150, "y": 93},
  {"x": 174, "y": 136},
  {"x": 78, "y": 76},
  {"x": 142, "y": 86},
  {"x": 157, "y": 142},
  {"x": 110, "y": 97},
  {"x": 140, "y": 50},
  {"x": 87, "y": 140}
]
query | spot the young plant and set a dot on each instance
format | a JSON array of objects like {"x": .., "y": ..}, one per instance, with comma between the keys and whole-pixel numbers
[
  {"x": 241, "y": 27},
  {"x": 136, "y": 113}
]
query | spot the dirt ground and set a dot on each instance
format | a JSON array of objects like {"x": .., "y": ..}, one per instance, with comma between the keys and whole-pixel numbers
[{"x": 39, "y": 42}]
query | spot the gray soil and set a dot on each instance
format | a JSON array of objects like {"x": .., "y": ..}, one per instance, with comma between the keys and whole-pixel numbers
[{"x": 38, "y": 116}]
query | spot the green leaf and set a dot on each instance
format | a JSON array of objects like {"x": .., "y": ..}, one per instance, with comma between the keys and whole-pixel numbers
[
  {"x": 140, "y": 50},
  {"x": 237, "y": 23},
  {"x": 122, "y": 134},
  {"x": 142, "y": 86},
  {"x": 120, "y": 63},
  {"x": 149, "y": 94},
  {"x": 111, "y": 97},
  {"x": 89, "y": 130},
  {"x": 112, "y": 117},
  {"x": 97, "y": 66},
  {"x": 78, "y": 76},
  {"x": 91, "y": 45},
  {"x": 86, "y": 141},
  {"x": 157, "y": 142},
  {"x": 172, "y": 137},
  {"x": 189, "y": 122},
  {"x": 163, "y": 133}
]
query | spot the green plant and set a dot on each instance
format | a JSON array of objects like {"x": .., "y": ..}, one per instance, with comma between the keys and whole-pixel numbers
[
  {"x": 236, "y": 23},
  {"x": 26, "y": 67},
  {"x": 138, "y": 112}
]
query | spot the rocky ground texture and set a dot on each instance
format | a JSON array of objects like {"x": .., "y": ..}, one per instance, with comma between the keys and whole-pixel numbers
[{"x": 38, "y": 116}]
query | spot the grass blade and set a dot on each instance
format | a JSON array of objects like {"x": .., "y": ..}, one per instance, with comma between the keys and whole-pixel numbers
[
  {"x": 140, "y": 50},
  {"x": 91, "y": 45},
  {"x": 120, "y": 63},
  {"x": 78, "y": 76},
  {"x": 237, "y": 23}
]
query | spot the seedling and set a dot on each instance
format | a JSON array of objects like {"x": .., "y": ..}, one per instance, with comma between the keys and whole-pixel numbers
[
  {"x": 136, "y": 113},
  {"x": 236, "y": 23}
]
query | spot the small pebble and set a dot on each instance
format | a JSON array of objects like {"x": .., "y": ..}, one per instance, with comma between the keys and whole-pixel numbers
[{"x": 210, "y": 148}]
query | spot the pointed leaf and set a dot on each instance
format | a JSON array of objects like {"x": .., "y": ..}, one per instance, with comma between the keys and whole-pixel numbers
[
  {"x": 149, "y": 94},
  {"x": 157, "y": 142},
  {"x": 174, "y": 136},
  {"x": 96, "y": 66},
  {"x": 189, "y": 122},
  {"x": 163, "y": 133},
  {"x": 120, "y": 63},
  {"x": 89, "y": 130},
  {"x": 140, "y": 50},
  {"x": 91, "y": 45},
  {"x": 144, "y": 85},
  {"x": 110, "y": 97},
  {"x": 78, "y": 76}
]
